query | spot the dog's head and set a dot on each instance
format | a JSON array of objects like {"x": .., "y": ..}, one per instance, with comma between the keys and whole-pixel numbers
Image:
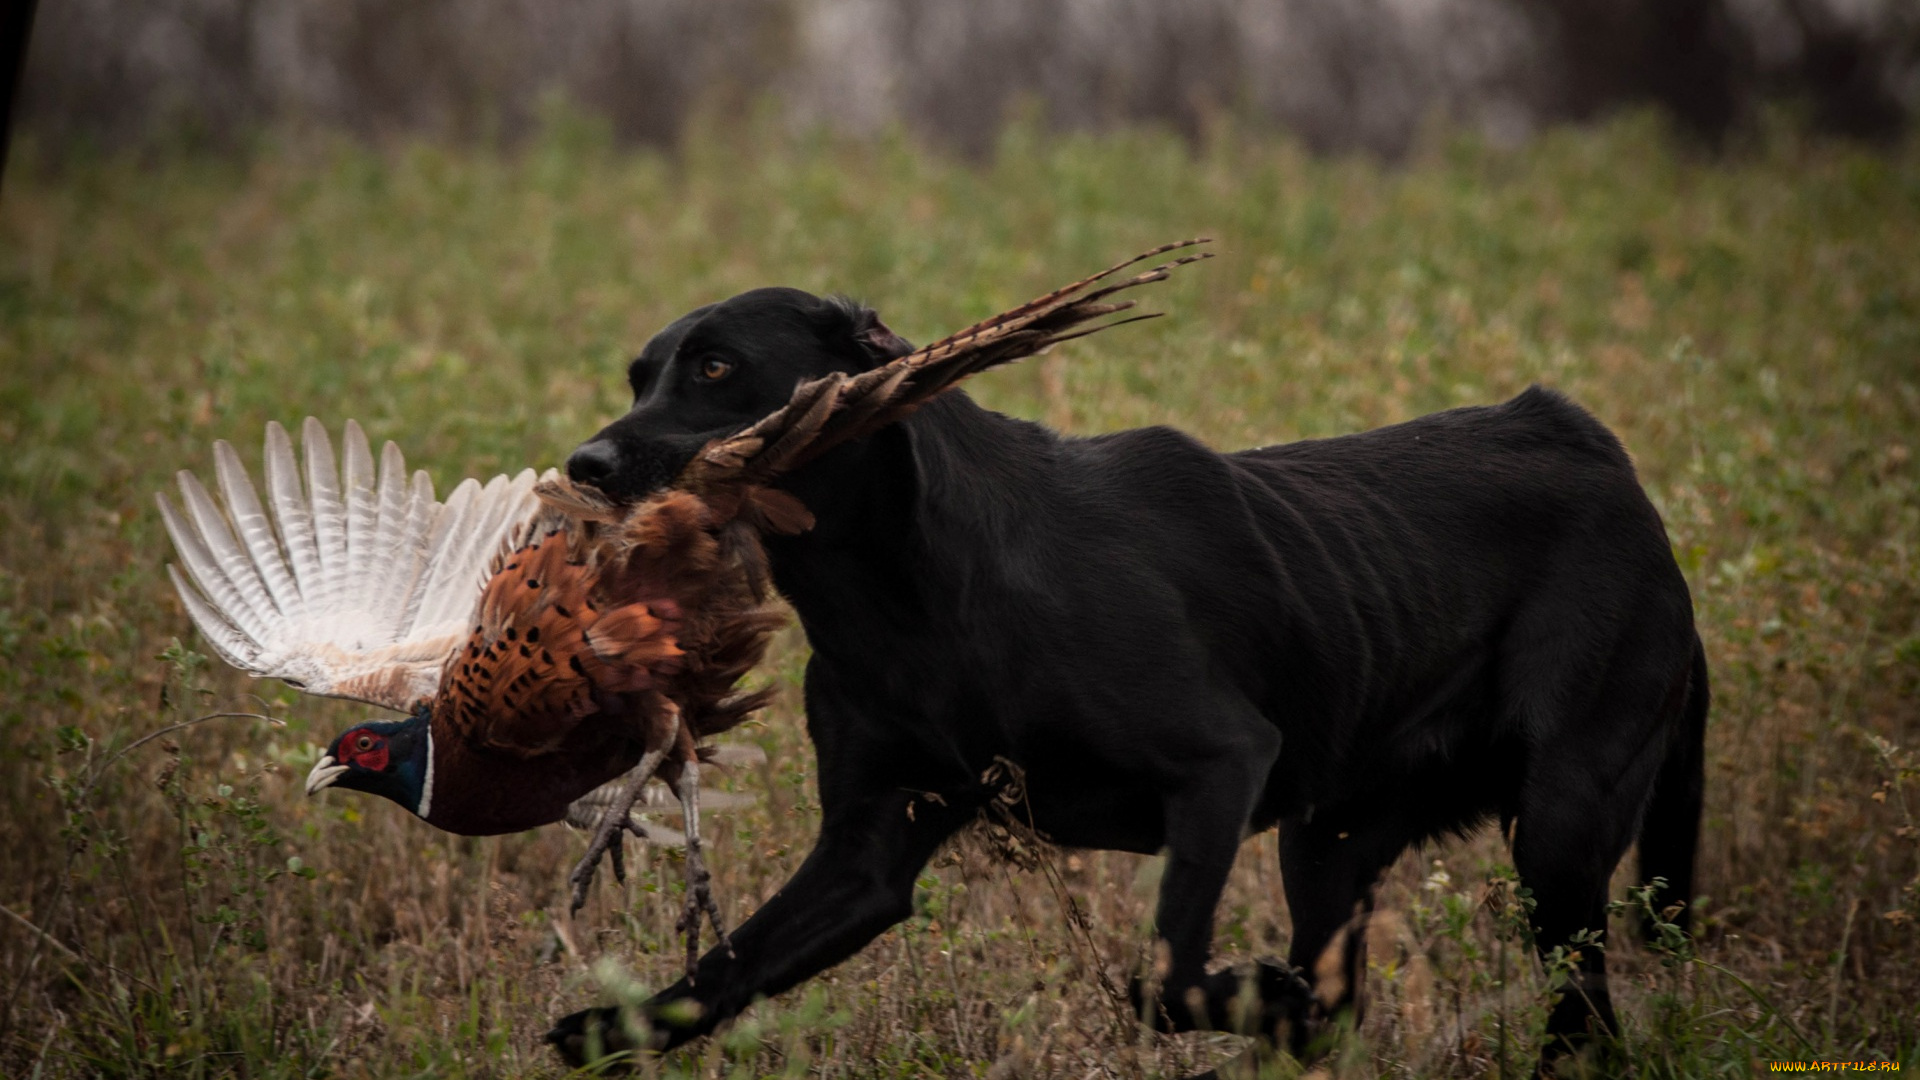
[{"x": 719, "y": 368}]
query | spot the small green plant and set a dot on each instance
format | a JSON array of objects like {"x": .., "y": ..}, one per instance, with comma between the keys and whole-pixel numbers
[
  {"x": 1684, "y": 1002},
  {"x": 170, "y": 1003}
]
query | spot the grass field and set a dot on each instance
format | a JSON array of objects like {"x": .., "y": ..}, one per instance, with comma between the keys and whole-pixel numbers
[{"x": 1751, "y": 328}]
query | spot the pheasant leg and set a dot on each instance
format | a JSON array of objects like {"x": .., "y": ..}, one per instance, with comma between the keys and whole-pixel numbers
[
  {"x": 607, "y": 836},
  {"x": 699, "y": 894}
]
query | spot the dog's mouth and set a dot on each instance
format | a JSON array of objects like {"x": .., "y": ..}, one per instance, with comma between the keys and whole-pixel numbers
[{"x": 628, "y": 472}]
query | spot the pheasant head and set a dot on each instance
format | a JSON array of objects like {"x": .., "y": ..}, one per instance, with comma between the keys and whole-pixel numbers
[{"x": 389, "y": 758}]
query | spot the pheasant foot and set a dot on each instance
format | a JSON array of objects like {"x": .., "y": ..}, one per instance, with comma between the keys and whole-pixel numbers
[
  {"x": 607, "y": 837},
  {"x": 699, "y": 892}
]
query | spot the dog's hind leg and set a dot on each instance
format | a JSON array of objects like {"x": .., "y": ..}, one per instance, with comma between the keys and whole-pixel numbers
[
  {"x": 1206, "y": 818},
  {"x": 1565, "y": 854},
  {"x": 1588, "y": 779},
  {"x": 1328, "y": 868}
]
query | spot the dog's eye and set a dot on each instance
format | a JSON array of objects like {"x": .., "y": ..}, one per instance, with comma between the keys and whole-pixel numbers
[{"x": 714, "y": 369}]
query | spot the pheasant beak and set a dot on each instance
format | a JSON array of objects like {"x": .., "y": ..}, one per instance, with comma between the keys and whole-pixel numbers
[{"x": 325, "y": 772}]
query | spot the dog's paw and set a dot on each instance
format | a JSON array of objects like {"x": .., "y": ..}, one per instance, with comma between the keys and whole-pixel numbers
[
  {"x": 595, "y": 1037},
  {"x": 1283, "y": 1007},
  {"x": 1266, "y": 999},
  {"x": 1147, "y": 1007}
]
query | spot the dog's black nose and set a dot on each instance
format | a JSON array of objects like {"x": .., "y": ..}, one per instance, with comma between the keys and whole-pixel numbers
[{"x": 593, "y": 462}]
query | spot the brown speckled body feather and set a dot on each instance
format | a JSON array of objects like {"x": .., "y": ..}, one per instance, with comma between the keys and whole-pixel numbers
[{"x": 598, "y": 635}]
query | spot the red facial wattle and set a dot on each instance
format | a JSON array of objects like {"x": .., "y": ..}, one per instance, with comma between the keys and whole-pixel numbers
[{"x": 367, "y": 750}]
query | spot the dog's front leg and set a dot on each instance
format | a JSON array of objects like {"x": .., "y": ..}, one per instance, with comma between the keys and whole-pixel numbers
[{"x": 857, "y": 882}]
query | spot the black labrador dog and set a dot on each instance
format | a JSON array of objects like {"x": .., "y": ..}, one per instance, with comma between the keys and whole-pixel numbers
[{"x": 1368, "y": 641}]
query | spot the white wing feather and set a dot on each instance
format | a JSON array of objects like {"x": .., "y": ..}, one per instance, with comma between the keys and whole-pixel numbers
[
  {"x": 364, "y": 566},
  {"x": 329, "y": 526},
  {"x": 256, "y": 532},
  {"x": 439, "y": 602},
  {"x": 291, "y": 513},
  {"x": 360, "y": 587},
  {"x": 391, "y": 534}
]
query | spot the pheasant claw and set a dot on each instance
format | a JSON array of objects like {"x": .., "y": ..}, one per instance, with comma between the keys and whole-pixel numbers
[
  {"x": 700, "y": 900},
  {"x": 618, "y": 819}
]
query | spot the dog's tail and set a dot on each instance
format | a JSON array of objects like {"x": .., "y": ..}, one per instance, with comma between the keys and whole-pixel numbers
[{"x": 1670, "y": 831}]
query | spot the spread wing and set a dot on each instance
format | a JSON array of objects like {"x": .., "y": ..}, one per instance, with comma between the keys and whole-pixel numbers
[{"x": 359, "y": 585}]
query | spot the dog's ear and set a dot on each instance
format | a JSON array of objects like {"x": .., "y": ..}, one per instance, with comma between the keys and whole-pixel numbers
[{"x": 871, "y": 336}]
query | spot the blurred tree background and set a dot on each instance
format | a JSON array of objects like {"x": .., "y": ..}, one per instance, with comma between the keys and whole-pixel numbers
[{"x": 1340, "y": 74}]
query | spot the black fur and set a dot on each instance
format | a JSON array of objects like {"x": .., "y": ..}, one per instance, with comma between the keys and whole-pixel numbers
[{"x": 1368, "y": 641}]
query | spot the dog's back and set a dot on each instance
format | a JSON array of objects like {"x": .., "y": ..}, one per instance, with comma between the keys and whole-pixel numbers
[
  {"x": 1449, "y": 570},
  {"x": 1411, "y": 578}
]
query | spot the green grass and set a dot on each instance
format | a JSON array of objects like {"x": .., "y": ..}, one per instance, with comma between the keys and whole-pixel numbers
[{"x": 1751, "y": 328}]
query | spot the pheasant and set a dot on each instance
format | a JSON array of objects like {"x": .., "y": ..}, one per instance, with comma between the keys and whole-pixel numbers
[
  {"x": 493, "y": 621},
  {"x": 545, "y": 641}
]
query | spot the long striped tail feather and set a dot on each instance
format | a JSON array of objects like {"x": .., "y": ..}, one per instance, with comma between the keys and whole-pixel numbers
[{"x": 824, "y": 413}]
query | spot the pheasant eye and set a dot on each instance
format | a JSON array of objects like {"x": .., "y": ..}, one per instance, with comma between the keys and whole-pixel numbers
[
  {"x": 714, "y": 369},
  {"x": 366, "y": 750}
]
